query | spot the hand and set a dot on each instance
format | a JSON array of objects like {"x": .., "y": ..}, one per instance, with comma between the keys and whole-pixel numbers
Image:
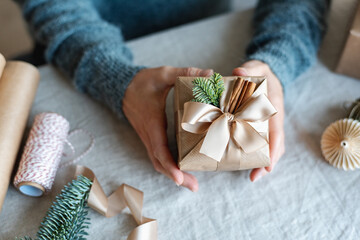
[
  {"x": 276, "y": 123},
  {"x": 144, "y": 106}
]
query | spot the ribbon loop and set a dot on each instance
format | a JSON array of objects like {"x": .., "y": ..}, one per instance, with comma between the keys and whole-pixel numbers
[
  {"x": 246, "y": 137},
  {"x": 257, "y": 109},
  {"x": 198, "y": 117}
]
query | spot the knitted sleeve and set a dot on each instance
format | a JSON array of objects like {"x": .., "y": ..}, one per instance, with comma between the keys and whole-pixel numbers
[
  {"x": 287, "y": 35},
  {"x": 80, "y": 43}
]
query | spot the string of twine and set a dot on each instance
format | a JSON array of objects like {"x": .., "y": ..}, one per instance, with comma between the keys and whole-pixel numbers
[
  {"x": 83, "y": 154},
  {"x": 355, "y": 110},
  {"x": 44, "y": 150}
]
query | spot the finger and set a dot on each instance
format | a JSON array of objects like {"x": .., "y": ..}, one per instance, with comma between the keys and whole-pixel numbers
[
  {"x": 159, "y": 144},
  {"x": 160, "y": 169},
  {"x": 193, "y": 72},
  {"x": 276, "y": 137},
  {"x": 275, "y": 141},
  {"x": 162, "y": 153},
  {"x": 240, "y": 71},
  {"x": 257, "y": 173},
  {"x": 171, "y": 73},
  {"x": 190, "y": 182},
  {"x": 144, "y": 138}
]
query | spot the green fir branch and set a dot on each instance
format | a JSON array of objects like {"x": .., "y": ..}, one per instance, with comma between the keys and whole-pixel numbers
[
  {"x": 208, "y": 91},
  {"x": 218, "y": 83},
  {"x": 202, "y": 90},
  {"x": 67, "y": 217}
]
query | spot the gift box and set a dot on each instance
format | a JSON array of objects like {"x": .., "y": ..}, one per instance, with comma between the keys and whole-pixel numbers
[
  {"x": 210, "y": 138},
  {"x": 350, "y": 58}
]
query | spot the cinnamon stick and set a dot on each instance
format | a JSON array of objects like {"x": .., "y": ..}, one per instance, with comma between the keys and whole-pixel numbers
[
  {"x": 247, "y": 92},
  {"x": 239, "y": 100},
  {"x": 238, "y": 86}
]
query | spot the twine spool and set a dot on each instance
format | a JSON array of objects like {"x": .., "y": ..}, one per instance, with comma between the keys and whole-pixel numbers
[{"x": 42, "y": 154}]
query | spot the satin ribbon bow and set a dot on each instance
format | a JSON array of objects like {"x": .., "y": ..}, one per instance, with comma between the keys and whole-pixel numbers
[{"x": 222, "y": 126}]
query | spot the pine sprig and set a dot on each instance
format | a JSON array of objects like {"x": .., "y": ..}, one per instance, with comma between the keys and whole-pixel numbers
[
  {"x": 208, "y": 91},
  {"x": 66, "y": 218},
  {"x": 218, "y": 83},
  {"x": 203, "y": 90}
]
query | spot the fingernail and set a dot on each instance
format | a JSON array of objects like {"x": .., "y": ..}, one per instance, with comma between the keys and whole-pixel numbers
[
  {"x": 257, "y": 177},
  {"x": 191, "y": 189},
  {"x": 242, "y": 71},
  {"x": 177, "y": 182},
  {"x": 178, "y": 178}
]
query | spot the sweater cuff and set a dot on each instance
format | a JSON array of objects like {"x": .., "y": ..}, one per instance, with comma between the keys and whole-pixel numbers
[
  {"x": 106, "y": 79},
  {"x": 277, "y": 63}
]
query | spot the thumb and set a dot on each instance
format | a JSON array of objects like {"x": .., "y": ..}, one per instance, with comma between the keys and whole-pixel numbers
[
  {"x": 194, "y": 72},
  {"x": 240, "y": 71},
  {"x": 171, "y": 73}
]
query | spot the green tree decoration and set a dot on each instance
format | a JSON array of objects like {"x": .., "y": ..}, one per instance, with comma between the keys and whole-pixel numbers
[
  {"x": 208, "y": 90},
  {"x": 66, "y": 218}
]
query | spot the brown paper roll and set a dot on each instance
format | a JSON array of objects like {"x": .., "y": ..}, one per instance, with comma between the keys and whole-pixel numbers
[{"x": 18, "y": 85}]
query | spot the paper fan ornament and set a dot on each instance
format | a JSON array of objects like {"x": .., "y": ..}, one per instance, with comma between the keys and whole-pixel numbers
[{"x": 340, "y": 142}]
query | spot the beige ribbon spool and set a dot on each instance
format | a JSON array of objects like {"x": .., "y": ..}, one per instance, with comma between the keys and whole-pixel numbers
[
  {"x": 18, "y": 84},
  {"x": 124, "y": 196}
]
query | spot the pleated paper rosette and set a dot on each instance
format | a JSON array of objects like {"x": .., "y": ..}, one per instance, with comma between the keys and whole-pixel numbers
[{"x": 340, "y": 144}]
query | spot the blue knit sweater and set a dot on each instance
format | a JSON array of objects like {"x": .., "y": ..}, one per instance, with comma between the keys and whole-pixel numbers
[{"x": 86, "y": 38}]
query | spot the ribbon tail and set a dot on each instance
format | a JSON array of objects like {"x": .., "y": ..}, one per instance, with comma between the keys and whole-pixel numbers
[
  {"x": 246, "y": 137},
  {"x": 216, "y": 139},
  {"x": 146, "y": 231},
  {"x": 124, "y": 196}
]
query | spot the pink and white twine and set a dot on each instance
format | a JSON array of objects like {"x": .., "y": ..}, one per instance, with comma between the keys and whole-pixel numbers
[{"x": 44, "y": 149}]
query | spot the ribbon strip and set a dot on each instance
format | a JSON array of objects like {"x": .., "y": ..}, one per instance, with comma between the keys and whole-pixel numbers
[
  {"x": 222, "y": 126},
  {"x": 124, "y": 196}
]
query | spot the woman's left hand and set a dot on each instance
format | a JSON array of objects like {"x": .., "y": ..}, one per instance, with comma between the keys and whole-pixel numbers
[{"x": 276, "y": 123}]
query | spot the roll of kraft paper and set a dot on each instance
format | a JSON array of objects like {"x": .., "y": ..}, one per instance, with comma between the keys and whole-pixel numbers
[{"x": 18, "y": 84}]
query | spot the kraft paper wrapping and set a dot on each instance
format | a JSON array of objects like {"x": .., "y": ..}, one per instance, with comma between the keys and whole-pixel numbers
[
  {"x": 124, "y": 196},
  {"x": 350, "y": 57},
  {"x": 189, "y": 144},
  {"x": 18, "y": 84}
]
